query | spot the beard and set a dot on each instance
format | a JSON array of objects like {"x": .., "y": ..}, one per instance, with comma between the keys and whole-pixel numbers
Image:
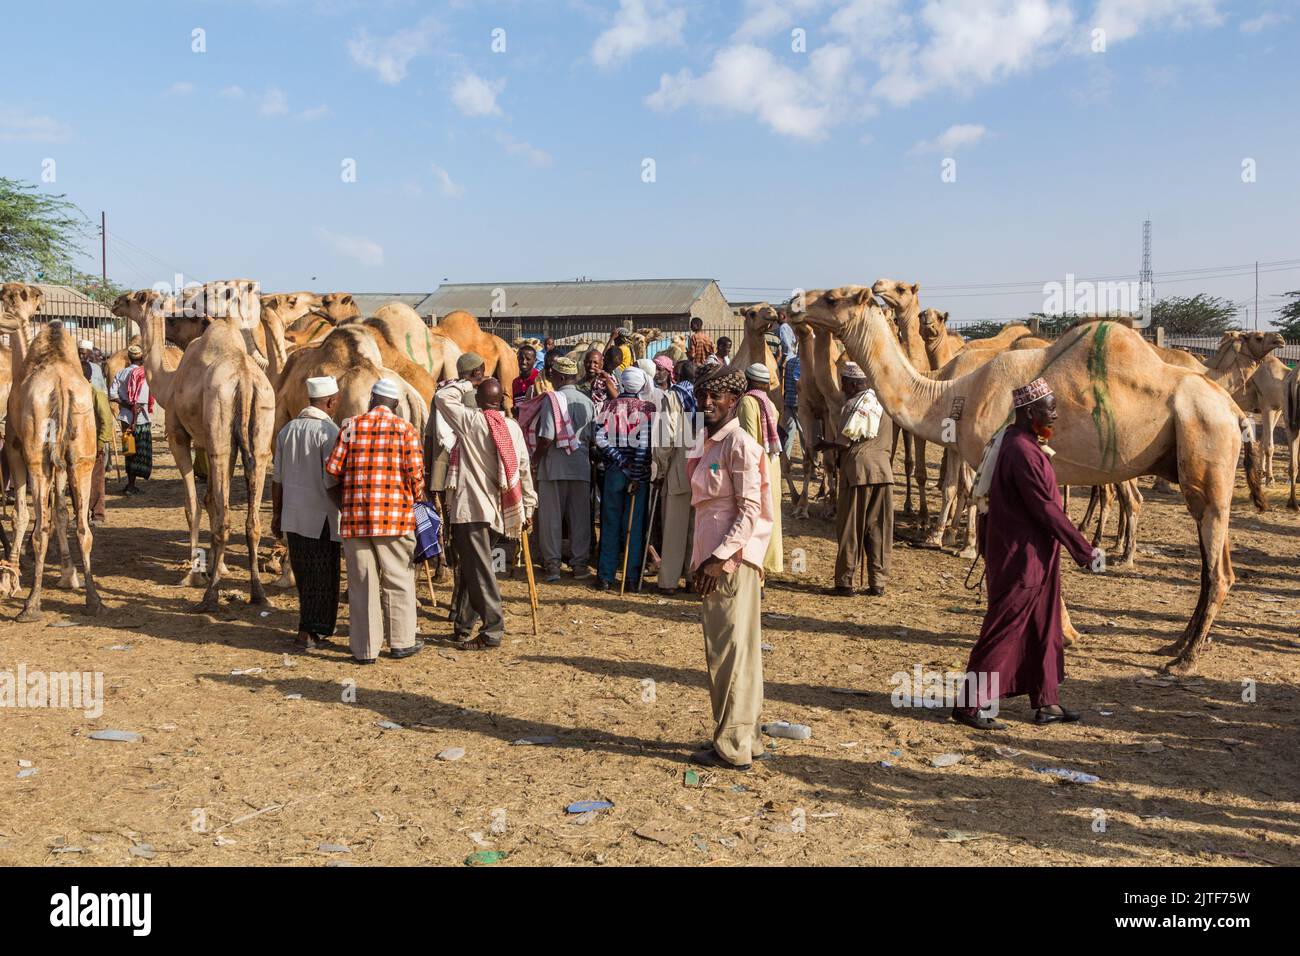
[{"x": 1043, "y": 431}]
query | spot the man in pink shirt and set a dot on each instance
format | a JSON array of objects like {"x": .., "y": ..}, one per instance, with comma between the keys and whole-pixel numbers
[{"x": 731, "y": 494}]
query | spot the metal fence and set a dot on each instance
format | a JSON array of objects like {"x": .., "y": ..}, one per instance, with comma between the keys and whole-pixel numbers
[{"x": 85, "y": 318}]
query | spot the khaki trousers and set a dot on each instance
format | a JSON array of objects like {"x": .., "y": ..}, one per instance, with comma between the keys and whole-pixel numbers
[
  {"x": 560, "y": 503},
  {"x": 733, "y": 638},
  {"x": 864, "y": 524},
  {"x": 679, "y": 529},
  {"x": 381, "y": 593},
  {"x": 478, "y": 595}
]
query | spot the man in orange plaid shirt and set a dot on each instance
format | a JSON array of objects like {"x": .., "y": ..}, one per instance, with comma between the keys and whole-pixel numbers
[
  {"x": 378, "y": 472},
  {"x": 699, "y": 346}
]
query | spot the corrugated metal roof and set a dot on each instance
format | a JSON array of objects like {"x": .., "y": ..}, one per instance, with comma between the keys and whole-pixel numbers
[
  {"x": 524, "y": 300},
  {"x": 63, "y": 301}
]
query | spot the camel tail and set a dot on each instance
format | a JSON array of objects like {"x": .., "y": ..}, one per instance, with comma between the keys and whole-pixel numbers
[
  {"x": 1293, "y": 404},
  {"x": 244, "y": 421},
  {"x": 1254, "y": 480}
]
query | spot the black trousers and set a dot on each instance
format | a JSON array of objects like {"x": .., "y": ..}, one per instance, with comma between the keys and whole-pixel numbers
[{"x": 315, "y": 563}]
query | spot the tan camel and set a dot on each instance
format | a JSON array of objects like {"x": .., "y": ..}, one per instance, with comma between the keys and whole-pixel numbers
[
  {"x": 340, "y": 307},
  {"x": 1291, "y": 418},
  {"x": 1003, "y": 340},
  {"x": 820, "y": 402},
  {"x": 1124, "y": 413},
  {"x": 901, "y": 298},
  {"x": 941, "y": 343},
  {"x": 1266, "y": 396},
  {"x": 499, "y": 359},
  {"x": 218, "y": 400},
  {"x": 50, "y": 443},
  {"x": 753, "y": 350},
  {"x": 405, "y": 340}
]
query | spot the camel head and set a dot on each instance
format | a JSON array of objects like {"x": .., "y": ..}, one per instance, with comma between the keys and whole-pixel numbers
[
  {"x": 289, "y": 307},
  {"x": 899, "y": 296},
  {"x": 139, "y": 306},
  {"x": 239, "y": 301},
  {"x": 834, "y": 309},
  {"x": 18, "y": 303},
  {"x": 759, "y": 318},
  {"x": 653, "y": 335},
  {"x": 1258, "y": 345},
  {"x": 933, "y": 324},
  {"x": 339, "y": 307}
]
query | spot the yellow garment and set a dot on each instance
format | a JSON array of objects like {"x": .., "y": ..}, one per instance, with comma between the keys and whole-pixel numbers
[
  {"x": 750, "y": 418},
  {"x": 626, "y": 357},
  {"x": 105, "y": 424}
]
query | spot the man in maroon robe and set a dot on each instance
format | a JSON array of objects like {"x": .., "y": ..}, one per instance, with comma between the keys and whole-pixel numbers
[{"x": 1021, "y": 645}]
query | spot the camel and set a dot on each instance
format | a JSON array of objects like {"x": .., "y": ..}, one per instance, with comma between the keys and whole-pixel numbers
[
  {"x": 941, "y": 343},
  {"x": 753, "y": 348},
  {"x": 1124, "y": 413},
  {"x": 219, "y": 400},
  {"x": 820, "y": 402},
  {"x": 422, "y": 355},
  {"x": 1266, "y": 396},
  {"x": 339, "y": 307},
  {"x": 1291, "y": 418},
  {"x": 50, "y": 442},
  {"x": 1003, "y": 340},
  {"x": 902, "y": 299},
  {"x": 499, "y": 359}
]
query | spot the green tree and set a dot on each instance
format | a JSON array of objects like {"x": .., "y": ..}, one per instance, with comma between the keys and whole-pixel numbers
[
  {"x": 1198, "y": 315},
  {"x": 980, "y": 330},
  {"x": 39, "y": 234},
  {"x": 1288, "y": 322}
]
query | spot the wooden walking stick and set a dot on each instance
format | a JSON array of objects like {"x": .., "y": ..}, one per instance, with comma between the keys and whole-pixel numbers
[
  {"x": 428, "y": 577},
  {"x": 532, "y": 583},
  {"x": 645, "y": 538},
  {"x": 627, "y": 544}
]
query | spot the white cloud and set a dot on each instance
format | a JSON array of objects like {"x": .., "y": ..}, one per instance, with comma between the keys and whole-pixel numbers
[
  {"x": 19, "y": 127},
  {"x": 748, "y": 79},
  {"x": 180, "y": 88},
  {"x": 232, "y": 93},
  {"x": 449, "y": 188},
  {"x": 274, "y": 102},
  {"x": 1125, "y": 19},
  {"x": 766, "y": 17},
  {"x": 315, "y": 113},
  {"x": 475, "y": 96},
  {"x": 365, "y": 251},
  {"x": 1264, "y": 21},
  {"x": 638, "y": 25},
  {"x": 952, "y": 139},
  {"x": 517, "y": 147},
  {"x": 390, "y": 57}
]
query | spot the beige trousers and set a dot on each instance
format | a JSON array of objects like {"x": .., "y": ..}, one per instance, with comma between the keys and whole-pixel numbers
[
  {"x": 733, "y": 641},
  {"x": 381, "y": 593},
  {"x": 678, "y": 531}
]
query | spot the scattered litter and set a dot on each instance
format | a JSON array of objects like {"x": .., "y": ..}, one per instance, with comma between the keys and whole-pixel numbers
[
  {"x": 333, "y": 848},
  {"x": 293, "y": 696},
  {"x": 699, "y": 843},
  {"x": 658, "y": 831},
  {"x": 478, "y": 840},
  {"x": 739, "y": 788},
  {"x": 121, "y": 736},
  {"x": 728, "y": 842},
  {"x": 588, "y": 806},
  {"x": 886, "y": 764},
  {"x": 265, "y": 614},
  {"x": 452, "y": 753},
  {"x": 143, "y": 850},
  {"x": 849, "y": 743},
  {"x": 693, "y": 778},
  {"x": 486, "y": 857},
  {"x": 1106, "y": 713},
  {"x": 824, "y": 816},
  {"x": 67, "y": 849},
  {"x": 960, "y": 836},
  {"x": 389, "y": 725},
  {"x": 25, "y": 763},
  {"x": 783, "y": 728},
  {"x": 246, "y": 672},
  {"x": 223, "y": 841},
  {"x": 29, "y": 772},
  {"x": 765, "y": 646},
  {"x": 63, "y": 624},
  {"x": 1073, "y": 776},
  {"x": 289, "y": 662},
  {"x": 449, "y": 655},
  {"x": 1006, "y": 751},
  {"x": 1152, "y": 747},
  {"x": 582, "y": 819},
  {"x": 946, "y": 760},
  {"x": 533, "y": 741},
  {"x": 118, "y": 647}
]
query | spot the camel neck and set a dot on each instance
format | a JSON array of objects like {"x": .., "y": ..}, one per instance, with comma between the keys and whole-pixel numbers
[
  {"x": 154, "y": 338},
  {"x": 914, "y": 402}
]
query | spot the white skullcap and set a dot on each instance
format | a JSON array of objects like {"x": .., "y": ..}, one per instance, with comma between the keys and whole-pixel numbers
[
  {"x": 322, "y": 387},
  {"x": 86, "y": 344},
  {"x": 852, "y": 370},
  {"x": 759, "y": 373},
  {"x": 631, "y": 380},
  {"x": 647, "y": 366},
  {"x": 386, "y": 388}
]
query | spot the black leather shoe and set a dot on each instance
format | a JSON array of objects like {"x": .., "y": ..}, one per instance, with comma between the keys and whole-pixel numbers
[
  {"x": 977, "y": 721},
  {"x": 1064, "y": 717},
  {"x": 403, "y": 652},
  {"x": 710, "y": 758},
  {"x": 358, "y": 660},
  {"x": 875, "y": 591},
  {"x": 602, "y": 585}
]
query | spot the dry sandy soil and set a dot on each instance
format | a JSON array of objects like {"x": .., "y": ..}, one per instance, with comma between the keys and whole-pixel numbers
[{"x": 272, "y": 766}]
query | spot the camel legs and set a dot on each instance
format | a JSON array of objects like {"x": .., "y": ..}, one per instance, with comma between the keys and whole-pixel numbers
[
  {"x": 39, "y": 485},
  {"x": 1293, "y": 453},
  {"x": 1216, "y": 578},
  {"x": 949, "y": 478},
  {"x": 220, "y": 473},
  {"x": 255, "y": 479},
  {"x": 967, "y": 507},
  {"x": 68, "y": 580},
  {"x": 921, "y": 476},
  {"x": 1268, "y": 419},
  {"x": 1130, "y": 509},
  {"x": 85, "y": 537},
  {"x": 183, "y": 454}
]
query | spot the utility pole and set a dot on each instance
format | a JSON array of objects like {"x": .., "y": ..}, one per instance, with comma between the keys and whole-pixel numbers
[
  {"x": 1256, "y": 327},
  {"x": 103, "y": 246},
  {"x": 1146, "y": 283}
]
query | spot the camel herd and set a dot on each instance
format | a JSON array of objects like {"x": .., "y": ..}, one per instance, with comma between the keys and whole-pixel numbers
[{"x": 229, "y": 365}]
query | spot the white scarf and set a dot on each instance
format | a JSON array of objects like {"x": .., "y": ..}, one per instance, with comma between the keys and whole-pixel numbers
[{"x": 862, "y": 416}]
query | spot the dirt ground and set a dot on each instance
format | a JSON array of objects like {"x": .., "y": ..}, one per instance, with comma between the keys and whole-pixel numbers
[{"x": 274, "y": 766}]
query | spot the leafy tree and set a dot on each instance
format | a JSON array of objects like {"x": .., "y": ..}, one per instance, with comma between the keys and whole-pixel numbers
[
  {"x": 1200, "y": 314},
  {"x": 39, "y": 234},
  {"x": 1289, "y": 317},
  {"x": 980, "y": 330}
]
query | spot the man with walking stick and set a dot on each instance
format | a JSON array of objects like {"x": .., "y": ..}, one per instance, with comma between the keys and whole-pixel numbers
[
  {"x": 490, "y": 488},
  {"x": 623, "y": 428}
]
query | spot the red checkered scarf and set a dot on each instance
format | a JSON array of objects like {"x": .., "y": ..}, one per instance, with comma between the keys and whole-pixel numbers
[
  {"x": 508, "y": 479},
  {"x": 134, "y": 383},
  {"x": 767, "y": 421},
  {"x": 528, "y": 414}
]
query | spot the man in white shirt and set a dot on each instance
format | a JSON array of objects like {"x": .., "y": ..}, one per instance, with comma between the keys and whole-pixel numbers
[
  {"x": 130, "y": 389},
  {"x": 303, "y": 510}
]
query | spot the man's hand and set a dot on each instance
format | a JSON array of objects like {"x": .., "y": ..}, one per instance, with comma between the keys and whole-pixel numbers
[
  {"x": 633, "y": 487},
  {"x": 528, "y": 524},
  {"x": 706, "y": 577}
]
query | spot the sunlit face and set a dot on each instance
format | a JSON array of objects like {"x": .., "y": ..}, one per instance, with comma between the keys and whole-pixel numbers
[
  {"x": 716, "y": 407},
  {"x": 1042, "y": 416},
  {"x": 593, "y": 362}
]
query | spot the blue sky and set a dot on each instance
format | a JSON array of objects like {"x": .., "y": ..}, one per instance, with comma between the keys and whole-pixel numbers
[{"x": 774, "y": 167}]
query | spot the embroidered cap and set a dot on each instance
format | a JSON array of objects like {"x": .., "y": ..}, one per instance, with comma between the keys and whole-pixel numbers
[
  {"x": 852, "y": 370},
  {"x": 565, "y": 366},
  {"x": 1028, "y": 394}
]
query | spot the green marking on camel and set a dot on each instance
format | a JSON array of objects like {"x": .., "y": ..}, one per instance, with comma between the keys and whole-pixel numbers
[
  {"x": 1103, "y": 415},
  {"x": 410, "y": 351},
  {"x": 314, "y": 328}
]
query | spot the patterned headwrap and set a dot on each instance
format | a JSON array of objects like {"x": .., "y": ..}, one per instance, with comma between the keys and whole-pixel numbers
[
  {"x": 724, "y": 380},
  {"x": 1028, "y": 394},
  {"x": 665, "y": 363}
]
